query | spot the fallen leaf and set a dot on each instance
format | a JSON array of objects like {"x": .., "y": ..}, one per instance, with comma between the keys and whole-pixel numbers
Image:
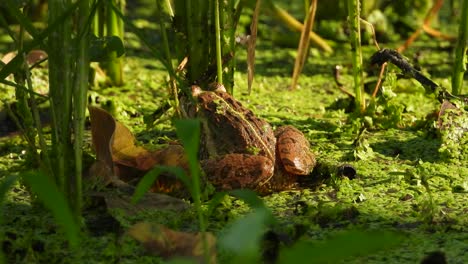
[
  {"x": 443, "y": 109},
  {"x": 99, "y": 175},
  {"x": 167, "y": 243},
  {"x": 119, "y": 158},
  {"x": 32, "y": 57},
  {"x": 102, "y": 130},
  {"x": 172, "y": 155}
]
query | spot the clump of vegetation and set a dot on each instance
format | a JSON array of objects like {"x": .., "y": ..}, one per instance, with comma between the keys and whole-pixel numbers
[{"x": 385, "y": 186}]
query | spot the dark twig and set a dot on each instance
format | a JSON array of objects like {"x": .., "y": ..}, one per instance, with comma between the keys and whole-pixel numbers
[{"x": 392, "y": 56}]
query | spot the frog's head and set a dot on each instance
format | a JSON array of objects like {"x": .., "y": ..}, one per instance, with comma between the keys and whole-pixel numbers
[{"x": 214, "y": 87}]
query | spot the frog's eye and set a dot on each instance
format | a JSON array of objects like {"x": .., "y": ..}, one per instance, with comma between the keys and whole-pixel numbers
[
  {"x": 217, "y": 87},
  {"x": 196, "y": 90}
]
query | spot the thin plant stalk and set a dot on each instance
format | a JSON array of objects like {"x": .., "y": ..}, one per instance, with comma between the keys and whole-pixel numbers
[
  {"x": 292, "y": 23},
  {"x": 251, "y": 44},
  {"x": 166, "y": 5},
  {"x": 80, "y": 91},
  {"x": 196, "y": 195},
  {"x": 197, "y": 32},
  {"x": 22, "y": 97},
  {"x": 45, "y": 163},
  {"x": 460, "y": 52},
  {"x": 355, "y": 38},
  {"x": 163, "y": 4},
  {"x": 219, "y": 62},
  {"x": 227, "y": 16},
  {"x": 60, "y": 45},
  {"x": 302, "y": 50},
  {"x": 114, "y": 28}
]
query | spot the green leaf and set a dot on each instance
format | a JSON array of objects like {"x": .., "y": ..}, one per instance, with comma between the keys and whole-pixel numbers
[
  {"x": 188, "y": 131},
  {"x": 103, "y": 48},
  {"x": 351, "y": 243},
  {"x": 179, "y": 260},
  {"x": 243, "y": 237},
  {"x": 5, "y": 185},
  {"x": 147, "y": 181},
  {"x": 156, "y": 53},
  {"x": 215, "y": 200},
  {"x": 12, "y": 66},
  {"x": 14, "y": 8},
  {"x": 47, "y": 191},
  {"x": 249, "y": 197},
  {"x": 16, "y": 62}
]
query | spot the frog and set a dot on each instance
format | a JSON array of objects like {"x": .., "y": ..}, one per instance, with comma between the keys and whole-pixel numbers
[{"x": 239, "y": 150}]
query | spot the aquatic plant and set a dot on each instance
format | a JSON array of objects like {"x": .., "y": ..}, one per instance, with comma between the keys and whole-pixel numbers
[
  {"x": 68, "y": 77},
  {"x": 107, "y": 23},
  {"x": 461, "y": 56},
  {"x": 354, "y": 12}
]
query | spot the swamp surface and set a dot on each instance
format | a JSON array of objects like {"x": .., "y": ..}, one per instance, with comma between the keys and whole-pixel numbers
[{"x": 411, "y": 179}]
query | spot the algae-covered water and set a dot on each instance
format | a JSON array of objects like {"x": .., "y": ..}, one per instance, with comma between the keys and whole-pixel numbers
[{"x": 411, "y": 178}]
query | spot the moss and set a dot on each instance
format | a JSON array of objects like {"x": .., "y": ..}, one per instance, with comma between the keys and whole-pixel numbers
[{"x": 408, "y": 180}]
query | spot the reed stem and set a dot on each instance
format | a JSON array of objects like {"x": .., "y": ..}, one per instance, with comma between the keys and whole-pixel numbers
[
  {"x": 460, "y": 52},
  {"x": 114, "y": 27},
  {"x": 355, "y": 38},
  {"x": 80, "y": 91},
  {"x": 60, "y": 76},
  {"x": 219, "y": 62}
]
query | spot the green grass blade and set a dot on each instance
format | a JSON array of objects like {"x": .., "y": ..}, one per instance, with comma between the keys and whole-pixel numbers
[
  {"x": 11, "y": 67},
  {"x": 148, "y": 180},
  {"x": 352, "y": 243},
  {"x": 459, "y": 67},
  {"x": 249, "y": 197},
  {"x": 243, "y": 237},
  {"x": 219, "y": 62},
  {"x": 139, "y": 33},
  {"x": 354, "y": 22},
  {"x": 215, "y": 200},
  {"x": 23, "y": 20},
  {"x": 5, "y": 185},
  {"x": 17, "y": 61},
  {"x": 188, "y": 131},
  {"x": 48, "y": 192}
]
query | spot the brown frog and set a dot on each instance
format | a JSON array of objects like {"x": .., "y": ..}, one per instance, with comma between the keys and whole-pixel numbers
[{"x": 240, "y": 150}]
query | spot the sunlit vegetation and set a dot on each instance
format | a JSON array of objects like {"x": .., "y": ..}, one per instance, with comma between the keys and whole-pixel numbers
[{"x": 233, "y": 131}]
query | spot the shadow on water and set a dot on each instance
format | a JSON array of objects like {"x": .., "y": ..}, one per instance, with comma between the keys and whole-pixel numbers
[{"x": 426, "y": 149}]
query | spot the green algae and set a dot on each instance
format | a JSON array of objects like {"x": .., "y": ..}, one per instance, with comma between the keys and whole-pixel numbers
[{"x": 408, "y": 180}]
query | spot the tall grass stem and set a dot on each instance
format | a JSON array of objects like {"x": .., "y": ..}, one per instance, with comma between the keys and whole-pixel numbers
[
  {"x": 459, "y": 67},
  {"x": 163, "y": 4},
  {"x": 80, "y": 91},
  {"x": 60, "y": 78},
  {"x": 114, "y": 28},
  {"x": 355, "y": 39},
  {"x": 219, "y": 62}
]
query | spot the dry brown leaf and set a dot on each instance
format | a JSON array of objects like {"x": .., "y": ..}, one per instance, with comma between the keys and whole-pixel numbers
[
  {"x": 446, "y": 105},
  {"x": 115, "y": 144},
  {"x": 100, "y": 175},
  {"x": 125, "y": 151},
  {"x": 32, "y": 57},
  {"x": 102, "y": 129},
  {"x": 162, "y": 241},
  {"x": 302, "y": 50},
  {"x": 120, "y": 159}
]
